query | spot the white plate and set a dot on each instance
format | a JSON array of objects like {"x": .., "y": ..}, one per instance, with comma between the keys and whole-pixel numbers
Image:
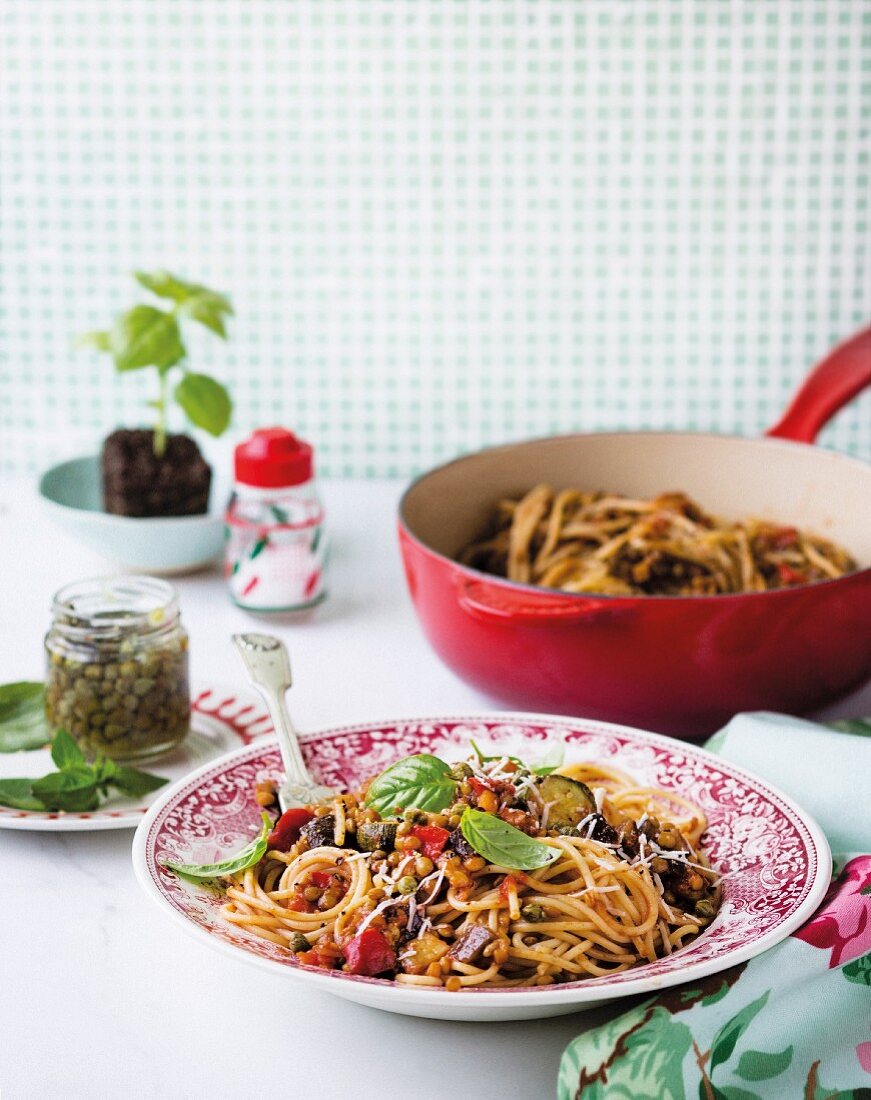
[
  {"x": 778, "y": 856},
  {"x": 221, "y": 720}
]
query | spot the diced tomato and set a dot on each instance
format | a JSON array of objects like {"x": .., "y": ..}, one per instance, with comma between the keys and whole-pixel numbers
[
  {"x": 481, "y": 785},
  {"x": 783, "y": 538},
  {"x": 432, "y": 839},
  {"x": 369, "y": 953},
  {"x": 285, "y": 832},
  {"x": 299, "y": 904},
  {"x": 321, "y": 879},
  {"x": 505, "y": 886},
  {"x": 789, "y": 575},
  {"x": 315, "y": 958}
]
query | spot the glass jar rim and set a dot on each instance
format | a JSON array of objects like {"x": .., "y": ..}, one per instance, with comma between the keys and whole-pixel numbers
[{"x": 115, "y": 606}]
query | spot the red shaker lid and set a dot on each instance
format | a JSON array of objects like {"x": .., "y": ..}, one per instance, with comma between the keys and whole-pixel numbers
[{"x": 273, "y": 458}]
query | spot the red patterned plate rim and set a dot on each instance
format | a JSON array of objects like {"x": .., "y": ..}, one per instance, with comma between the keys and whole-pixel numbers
[
  {"x": 233, "y": 717},
  {"x": 780, "y": 854}
]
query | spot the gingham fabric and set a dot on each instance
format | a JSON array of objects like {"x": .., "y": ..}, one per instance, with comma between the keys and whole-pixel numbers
[{"x": 442, "y": 224}]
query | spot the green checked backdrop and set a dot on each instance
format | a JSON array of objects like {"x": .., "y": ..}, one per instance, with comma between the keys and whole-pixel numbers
[{"x": 442, "y": 224}]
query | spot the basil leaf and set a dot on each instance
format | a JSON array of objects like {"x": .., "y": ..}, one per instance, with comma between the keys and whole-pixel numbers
[
  {"x": 65, "y": 752},
  {"x": 208, "y": 309},
  {"x": 74, "y": 790},
  {"x": 101, "y": 341},
  {"x": 146, "y": 337},
  {"x": 104, "y": 769},
  {"x": 482, "y": 759},
  {"x": 551, "y": 760},
  {"x": 165, "y": 285},
  {"x": 18, "y": 793},
  {"x": 22, "y": 716},
  {"x": 249, "y": 855},
  {"x": 421, "y": 782},
  {"x": 205, "y": 401},
  {"x": 134, "y": 782},
  {"x": 502, "y": 844}
]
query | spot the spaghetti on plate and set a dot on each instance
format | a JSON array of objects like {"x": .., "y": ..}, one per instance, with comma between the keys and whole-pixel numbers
[{"x": 485, "y": 873}]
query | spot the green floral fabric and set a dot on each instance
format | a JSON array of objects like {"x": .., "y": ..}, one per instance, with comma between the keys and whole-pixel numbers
[{"x": 793, "y": 1022}]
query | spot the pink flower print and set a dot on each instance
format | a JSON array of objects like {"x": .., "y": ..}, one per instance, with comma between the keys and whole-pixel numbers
[
  {"x": 863, "y": 1052},
  {"x": 843, "y": 921}
]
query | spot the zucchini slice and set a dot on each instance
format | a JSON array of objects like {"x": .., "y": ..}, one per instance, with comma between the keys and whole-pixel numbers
[
  {"x": 376, "y": 834},
  {"x": 570, "y": 800}
]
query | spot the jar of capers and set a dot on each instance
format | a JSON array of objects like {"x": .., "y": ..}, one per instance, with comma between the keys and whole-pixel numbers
[{"x": 118, "y": 667}]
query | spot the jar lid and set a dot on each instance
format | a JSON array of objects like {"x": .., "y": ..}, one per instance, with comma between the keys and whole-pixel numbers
[{"x": 273, "y": 458}]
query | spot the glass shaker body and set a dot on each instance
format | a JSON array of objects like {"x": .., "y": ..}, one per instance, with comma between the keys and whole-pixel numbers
[{"x": 275, "y": 548}]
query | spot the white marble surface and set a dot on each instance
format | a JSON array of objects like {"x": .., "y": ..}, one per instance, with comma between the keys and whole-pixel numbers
[{"x": 102, "y": 998}]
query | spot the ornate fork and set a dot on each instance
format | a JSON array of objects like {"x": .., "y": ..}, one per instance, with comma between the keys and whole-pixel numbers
[{"x": 268, "y": 667}]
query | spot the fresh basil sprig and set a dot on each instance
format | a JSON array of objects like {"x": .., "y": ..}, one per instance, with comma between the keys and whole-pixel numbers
[
  {"x": 422, "y": 782},
  {"x": 252, "y": 853},
  {"x": 22, "y": 716},
  {"x": 76, "y": 787},
  {"x": 502, "y": 844},
  {"x": 146, "y": 336}
]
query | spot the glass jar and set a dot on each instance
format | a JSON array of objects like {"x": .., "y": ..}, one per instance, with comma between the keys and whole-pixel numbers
[{"x": 117, "y": 677}]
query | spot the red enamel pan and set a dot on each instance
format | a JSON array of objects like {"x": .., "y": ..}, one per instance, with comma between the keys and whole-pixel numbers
[{"x": 679, "y": 664}]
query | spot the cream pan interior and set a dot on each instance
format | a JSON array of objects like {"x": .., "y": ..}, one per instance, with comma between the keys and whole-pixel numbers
[{"x": 790, "y": 483}]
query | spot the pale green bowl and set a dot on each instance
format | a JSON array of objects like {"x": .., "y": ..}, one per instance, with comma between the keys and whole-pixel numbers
[{"x": 72, "y": 496}]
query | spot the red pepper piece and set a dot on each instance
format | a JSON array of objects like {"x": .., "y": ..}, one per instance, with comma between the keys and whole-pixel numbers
[
  {"x": 432, "y": 839},
  {"x": 285, "y": 832},
  {"x": 789, "y": 575},
  {"x": 370, "y": 953}
]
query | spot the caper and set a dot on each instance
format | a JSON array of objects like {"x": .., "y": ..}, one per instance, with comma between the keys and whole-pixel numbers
[
  {"x": 298, "y": 942},
  {"x": 407, "y": 884},
  {"x": 533, "y": 912},
  {"x": 705, "y": 909}
]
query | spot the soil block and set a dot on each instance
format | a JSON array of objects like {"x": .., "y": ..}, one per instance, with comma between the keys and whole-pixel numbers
[{"x": 136, "y": 482}]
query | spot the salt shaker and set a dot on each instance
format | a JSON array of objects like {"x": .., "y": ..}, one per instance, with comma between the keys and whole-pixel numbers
[{"x": 275, "y": 547}]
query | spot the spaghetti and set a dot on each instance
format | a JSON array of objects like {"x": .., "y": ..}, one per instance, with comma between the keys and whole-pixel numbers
[
  {"x": 614, "y": 545},
  {"x": 517, "y": 879}
]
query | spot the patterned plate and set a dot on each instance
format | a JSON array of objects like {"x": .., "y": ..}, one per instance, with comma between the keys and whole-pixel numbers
[
  {"x": 220, "y": 720},
  {"x": 777, "y": 856}
]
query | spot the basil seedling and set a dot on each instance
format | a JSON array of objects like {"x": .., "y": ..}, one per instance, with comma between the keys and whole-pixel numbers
[{"x": 146, "y": 336}]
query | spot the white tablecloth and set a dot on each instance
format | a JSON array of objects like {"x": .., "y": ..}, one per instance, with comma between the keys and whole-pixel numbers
[{"x": 101, "y": 998}]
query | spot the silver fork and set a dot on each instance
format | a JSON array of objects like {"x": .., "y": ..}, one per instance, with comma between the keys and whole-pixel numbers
[{"x": 268, "y": 667}]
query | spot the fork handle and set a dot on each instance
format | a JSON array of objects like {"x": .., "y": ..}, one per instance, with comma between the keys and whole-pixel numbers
[
  {"x": 269, "y": 672},
  {"x": 296, "y": 773}
]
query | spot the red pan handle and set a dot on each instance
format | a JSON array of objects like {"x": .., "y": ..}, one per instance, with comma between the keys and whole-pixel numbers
[
  {"x": 843, "y": 373},
  {"x": 490, "y": 603}
]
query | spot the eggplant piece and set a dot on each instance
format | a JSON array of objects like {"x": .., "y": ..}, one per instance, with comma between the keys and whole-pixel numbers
[
  {"x": 571, "y": 801},
  {"x": 460, "y": 845},
  {"x": 320, "y": 831},
  {"x": 375, "y": 835},
  {"x": 471, "y": 943},
  {"x": 601, "y": 830},
  {"x": 627, "y": 838},
  {"x": 422, "y": 952}
]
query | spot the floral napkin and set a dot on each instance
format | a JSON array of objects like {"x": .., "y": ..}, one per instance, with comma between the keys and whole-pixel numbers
[{"x": 796, "y": 1020}]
